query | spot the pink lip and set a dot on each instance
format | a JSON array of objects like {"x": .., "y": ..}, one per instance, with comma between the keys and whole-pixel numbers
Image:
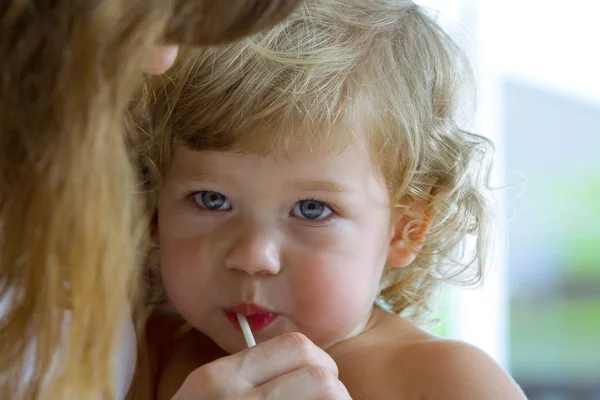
[{"x": 258, "y": 317}]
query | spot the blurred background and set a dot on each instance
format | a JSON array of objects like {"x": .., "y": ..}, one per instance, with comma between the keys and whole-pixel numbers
[{"x": 538, "y": 65}]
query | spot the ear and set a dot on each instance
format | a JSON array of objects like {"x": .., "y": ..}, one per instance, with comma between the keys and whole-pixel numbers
[{"x": 408, "y": 229}]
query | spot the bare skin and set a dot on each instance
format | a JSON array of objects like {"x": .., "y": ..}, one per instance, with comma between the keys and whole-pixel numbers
[
  {"x": 392, "y": 358},
  {"x": 160, "y": 59}
]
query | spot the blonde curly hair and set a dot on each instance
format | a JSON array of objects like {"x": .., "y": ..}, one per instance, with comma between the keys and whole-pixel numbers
[{"x": 333, "y": 60}]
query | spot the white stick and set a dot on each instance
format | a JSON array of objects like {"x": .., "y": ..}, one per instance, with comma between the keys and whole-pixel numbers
[{"x": 246, "y": 330}]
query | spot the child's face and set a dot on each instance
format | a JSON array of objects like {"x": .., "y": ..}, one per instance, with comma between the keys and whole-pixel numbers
[{"x": 297, "y": 242}]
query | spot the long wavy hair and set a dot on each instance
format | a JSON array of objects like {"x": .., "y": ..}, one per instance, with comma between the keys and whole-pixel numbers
[{"x": 72, "y": 226}]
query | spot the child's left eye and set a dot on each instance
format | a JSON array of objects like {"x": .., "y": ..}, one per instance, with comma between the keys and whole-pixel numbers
[
  {"x": 213, "y": 201},
  {"x": 311, "y": 210}
]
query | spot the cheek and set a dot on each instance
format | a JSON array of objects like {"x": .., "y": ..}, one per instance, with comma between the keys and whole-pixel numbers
[
  {"x": 184, "y": 238},
  {"x": 180, "y": 279},
  {"x": 332, "y": 275},
  {"x": 332, "y": 297},
  {"x": 335, "y": 283},
  {"x": 182, "y": 255},
  {"x": 357, "y": 247}
]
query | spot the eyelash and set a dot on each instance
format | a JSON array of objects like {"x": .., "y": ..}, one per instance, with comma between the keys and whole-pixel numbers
[
  {"x": 189, "y": 196},
  {"x": 333, "y": 207},
  {"x": 321, "y": 222}
]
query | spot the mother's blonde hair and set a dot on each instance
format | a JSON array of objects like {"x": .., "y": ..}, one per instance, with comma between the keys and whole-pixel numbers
[
  {"x": 385, "y": 63},
  {"x": 71, "y": 230}
]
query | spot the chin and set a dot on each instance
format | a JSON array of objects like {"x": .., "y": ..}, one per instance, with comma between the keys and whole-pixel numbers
[{"x": 230, "y": 345}]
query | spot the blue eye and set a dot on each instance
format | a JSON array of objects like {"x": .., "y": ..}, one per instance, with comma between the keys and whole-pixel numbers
[
  {"x": 311, "y": 210},
  {"x": 212, "y": 200}
]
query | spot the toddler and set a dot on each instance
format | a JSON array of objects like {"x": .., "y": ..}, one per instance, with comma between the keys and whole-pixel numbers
[{"x": 313, "y": 178}]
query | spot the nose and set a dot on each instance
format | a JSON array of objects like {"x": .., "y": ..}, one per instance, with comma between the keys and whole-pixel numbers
[{"x": 254, "y": 250}]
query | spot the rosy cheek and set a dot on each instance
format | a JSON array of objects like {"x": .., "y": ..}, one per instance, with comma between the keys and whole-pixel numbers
[
  {"x": 174, "y": 270},
  {"x": 327, "y": 301},
  {"x": 184, "y": 279},
  {"x": 315, "y": 279},
  {"x": 179, "y": 249}
]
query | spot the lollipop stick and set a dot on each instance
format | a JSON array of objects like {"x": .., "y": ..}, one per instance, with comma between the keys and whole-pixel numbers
[{"x": 246, "y": 330}]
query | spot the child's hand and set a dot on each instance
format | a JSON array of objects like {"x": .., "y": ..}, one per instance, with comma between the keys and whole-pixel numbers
[{"x": 287, "y": 367}]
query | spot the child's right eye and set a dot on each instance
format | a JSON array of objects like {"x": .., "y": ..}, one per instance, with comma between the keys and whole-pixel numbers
[{"x": 211, "y": 200}]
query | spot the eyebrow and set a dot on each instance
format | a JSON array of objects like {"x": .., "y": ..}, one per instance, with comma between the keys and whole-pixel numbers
[
  {"x": 307, "y": 186},
  {"x": 209, "y": 177},
  {"x": 319, "y": 186}
]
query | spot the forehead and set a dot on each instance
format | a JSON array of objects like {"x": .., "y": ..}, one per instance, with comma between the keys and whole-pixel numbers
[
  {"x": 329, "y": 150},
  {"x": 289, "y": 136},
  {"x": 273, "y": 136},
  {"x": 336, "y": 152}
]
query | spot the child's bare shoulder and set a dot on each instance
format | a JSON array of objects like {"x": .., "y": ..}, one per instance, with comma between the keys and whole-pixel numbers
[
  {"x": 399, "y": 360},
  {"x": 441, "y": 368}
]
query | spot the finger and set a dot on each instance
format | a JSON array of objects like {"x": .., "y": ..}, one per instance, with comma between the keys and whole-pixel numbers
[
  {"x": 309, "y": 383},
  {"x": 280, "y": 356},
  {"x": 160, "y": 59}
]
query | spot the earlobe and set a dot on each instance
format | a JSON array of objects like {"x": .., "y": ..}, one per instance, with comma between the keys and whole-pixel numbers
[
  {"x": 404, "y": 247},
  {"x": 399, "y": 255}
]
